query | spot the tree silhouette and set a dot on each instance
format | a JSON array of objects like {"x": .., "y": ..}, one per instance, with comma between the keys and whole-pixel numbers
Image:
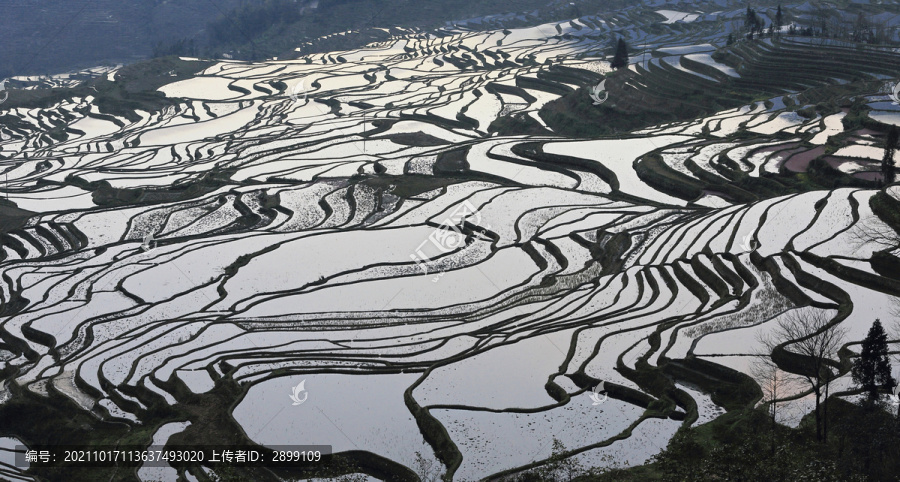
[
  {"x": 811, "y": 334},
  {"x": 872, "y": 369},
  {"x": 779, "y": 19},
  {"x": 621, "y": 58},
  {"x": 752, "y": 23},
  {"x": 773, "y": 381},
  {"x": 888, "y": 175}
]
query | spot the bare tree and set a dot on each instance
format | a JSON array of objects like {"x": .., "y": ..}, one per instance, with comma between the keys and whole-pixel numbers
[
  {"x": 860, "y": 29},
  {"x": 774, "y": 382},
  {"x": 838, "y": 28},
  {"x": 821, "y": 16},
  {"x": 811, "y": 334},
  {"x": 880, "y": 31}
]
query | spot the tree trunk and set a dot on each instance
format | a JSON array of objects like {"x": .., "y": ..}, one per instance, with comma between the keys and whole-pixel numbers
[
  {"x": 818, "y": 414},
  {"x": 825, "y": 415},
  {"x": 774, "y": 425}
]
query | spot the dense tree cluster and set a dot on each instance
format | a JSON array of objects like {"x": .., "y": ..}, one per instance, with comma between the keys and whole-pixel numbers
[{"x": 823, "y": 22}]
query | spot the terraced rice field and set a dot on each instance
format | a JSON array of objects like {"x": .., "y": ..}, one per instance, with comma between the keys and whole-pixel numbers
[{"x": 352, "y": 220}]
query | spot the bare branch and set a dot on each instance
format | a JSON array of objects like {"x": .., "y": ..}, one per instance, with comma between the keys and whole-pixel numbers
[{"x": 873, "y": 230}]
